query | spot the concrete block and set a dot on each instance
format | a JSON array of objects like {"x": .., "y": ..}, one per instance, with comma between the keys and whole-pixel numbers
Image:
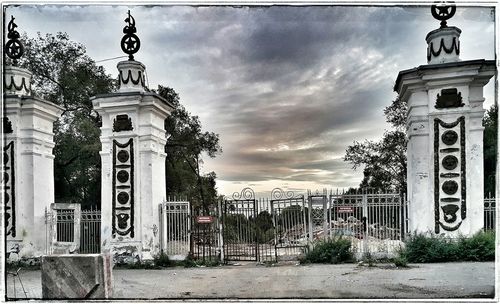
[{"x": 77, "y": 276}]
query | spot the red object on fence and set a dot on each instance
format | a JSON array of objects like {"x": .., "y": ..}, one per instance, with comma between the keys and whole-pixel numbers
[
  {"x": 204, "y": 219},
  {"x": 344, "y": 209}
]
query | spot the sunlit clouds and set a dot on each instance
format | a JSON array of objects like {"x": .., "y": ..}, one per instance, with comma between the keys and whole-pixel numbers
[{"x": 287, "y": 88}]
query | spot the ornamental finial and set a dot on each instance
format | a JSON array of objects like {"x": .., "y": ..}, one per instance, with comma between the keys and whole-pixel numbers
[
  {"x": 13, "y": 48},
  {"x": 443, "y": 11},
  {"x": 130, "y": 42}
]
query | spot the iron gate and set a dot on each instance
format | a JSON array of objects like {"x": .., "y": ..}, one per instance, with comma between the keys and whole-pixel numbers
[
  {"x": 289, "y": 223},
  {"x": 240, "y": 241},
  {"x": 175, "y": 228},
  {"x": 205, "y": 234},
  {"x": 319, "y": 215}
]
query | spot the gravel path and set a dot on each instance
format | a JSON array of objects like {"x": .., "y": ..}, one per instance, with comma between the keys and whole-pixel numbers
[{"x": 347, "y": 281}]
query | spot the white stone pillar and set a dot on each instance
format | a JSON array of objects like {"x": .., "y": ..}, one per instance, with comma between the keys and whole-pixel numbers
[
  {"x": 445, "y": 137},
  {"x": 28, "y": 163},
  {"x": 133, "y": 165}
]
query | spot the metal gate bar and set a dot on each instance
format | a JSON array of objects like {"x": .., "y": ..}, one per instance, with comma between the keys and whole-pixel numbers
[
  {"x": 175, "y": 228},
  {"x": 239, "y": 233},
  {"x": 90, "y": 231}
]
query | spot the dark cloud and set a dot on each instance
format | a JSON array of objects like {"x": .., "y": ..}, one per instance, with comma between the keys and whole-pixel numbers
[{"x": 287, "y": 88}]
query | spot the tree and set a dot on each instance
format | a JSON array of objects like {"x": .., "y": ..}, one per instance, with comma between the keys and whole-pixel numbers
[
  {"x": 185, "y": 146},
  {"x": 490, "y": 123},
  {"x": 64, "y": 74},
  {"x": 384, "y": 161}
]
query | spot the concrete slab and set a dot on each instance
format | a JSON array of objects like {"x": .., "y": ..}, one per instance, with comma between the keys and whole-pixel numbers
[{"x": 76, "y": 276}]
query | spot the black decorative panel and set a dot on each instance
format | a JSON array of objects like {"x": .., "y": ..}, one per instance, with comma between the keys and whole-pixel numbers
[
  {"x": 449, "y": 98},
  {"x": 449, "y": 174},
  {"x": 7, "y": 125},
  {"x": 122, "y": 123},
  {"x": 9, "y": 193},
  {"x": 123, "y": 189},
  {"x": 454, "y": 48}
]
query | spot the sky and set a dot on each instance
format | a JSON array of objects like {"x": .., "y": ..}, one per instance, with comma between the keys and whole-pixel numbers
[{"x": 287, "y": 88}]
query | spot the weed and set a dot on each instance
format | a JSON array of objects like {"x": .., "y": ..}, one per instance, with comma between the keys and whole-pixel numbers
[{"x": 333, "y": 251}]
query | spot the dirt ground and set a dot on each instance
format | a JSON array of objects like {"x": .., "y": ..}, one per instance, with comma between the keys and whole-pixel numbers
[{"x": 253, "y": 281}]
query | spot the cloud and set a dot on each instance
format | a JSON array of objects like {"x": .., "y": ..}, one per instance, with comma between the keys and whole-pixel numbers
[{"x": 288, "y": 88}]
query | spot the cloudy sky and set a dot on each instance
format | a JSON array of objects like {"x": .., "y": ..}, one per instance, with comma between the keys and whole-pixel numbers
[{"x": 287, "y": 88}]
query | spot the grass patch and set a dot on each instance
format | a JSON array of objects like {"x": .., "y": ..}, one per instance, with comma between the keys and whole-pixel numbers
[
  {"x": 421, "y": 248},
  {"x": 332, "y": 251}
]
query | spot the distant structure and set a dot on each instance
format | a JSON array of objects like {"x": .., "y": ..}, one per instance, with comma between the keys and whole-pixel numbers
[
  {"x": 445, "y": 134},
  {"x": 28, "y": 161},
  {"x": 133, "y": 159}
]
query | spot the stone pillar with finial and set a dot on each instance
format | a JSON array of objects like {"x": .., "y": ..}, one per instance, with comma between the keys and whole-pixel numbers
[
  {"x": 28, "y": 161},
  {"x": 133, "y": 159},
  {"x": 445, "y": 134}
]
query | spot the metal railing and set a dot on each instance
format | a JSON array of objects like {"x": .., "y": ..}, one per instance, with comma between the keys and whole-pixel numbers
[
  {"x": 90, "y": 231},
  {"x": 374, "y": 221},
  {"x": 65, "y": 225},
  {"x": 175, "y": 223},
  {"x": 489, "y": 213}
]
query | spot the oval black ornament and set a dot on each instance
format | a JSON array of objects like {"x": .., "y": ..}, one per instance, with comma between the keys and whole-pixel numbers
[
  {"x": 450, "y": 187},
  {"x": 122, "y": 156},
  {"x": 122, "y": 176},
  {"x": 450, "y": 162},
  {"x": 449, "y": 137},
  {"x": 123, "y": 197}
]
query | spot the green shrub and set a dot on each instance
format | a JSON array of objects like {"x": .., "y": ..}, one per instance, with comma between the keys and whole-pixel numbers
[
  {"x": 421, "y": 248},
  {"x": 333, "y": 251},
  {"x": 162, "y": 260},
  {"x": 480, "y": 247}
]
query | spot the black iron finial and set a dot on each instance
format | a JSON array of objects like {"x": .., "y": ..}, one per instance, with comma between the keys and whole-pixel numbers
[
  {"x": 130, "y": 42},
  {"x": 13, "y": 48},
  {"x": 443, "y": 11}
]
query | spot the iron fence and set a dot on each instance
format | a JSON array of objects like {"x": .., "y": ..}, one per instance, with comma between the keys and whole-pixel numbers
[
  {"x": 489, "y": 213},
  {"x": 90, "y": 231},
  {"x": 374, "y": 221},
  {"x": 175, "y": 221},
  {"x": 65, "y": 225}
]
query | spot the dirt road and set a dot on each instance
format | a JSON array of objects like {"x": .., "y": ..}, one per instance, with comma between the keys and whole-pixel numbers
[{"x": 347, "y": 281}]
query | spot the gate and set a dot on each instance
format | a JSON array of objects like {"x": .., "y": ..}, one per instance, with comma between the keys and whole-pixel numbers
[
  {"x": 175, "y": 229},
  {"x": 205, "y": 234},
  {"x": 90, "y": 231},
  {"x": 289, "y": 222},
  {"x": 239, "y": 213},
  {"x": 319, "y": 215}
]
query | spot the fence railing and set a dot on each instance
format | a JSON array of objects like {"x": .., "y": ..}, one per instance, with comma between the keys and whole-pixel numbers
[
  {"x": 175, "y": 223},
  {"x": 90, "y": 231},
  {"x": 489, "y": 213}
]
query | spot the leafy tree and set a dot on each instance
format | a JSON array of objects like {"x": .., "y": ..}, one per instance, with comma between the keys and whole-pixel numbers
[
  {"x": 64, "y": 74},
  {"x": 490, "y": 123},
  {"x": 185, "y": 146},
  {"x": 384, "y": 161}
]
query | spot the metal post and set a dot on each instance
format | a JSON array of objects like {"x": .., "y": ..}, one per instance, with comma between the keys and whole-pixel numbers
[
  {"x": 309, "y": 199},
  {"x": 366, "y": 219},
  {"x": 221, "y": 238}
]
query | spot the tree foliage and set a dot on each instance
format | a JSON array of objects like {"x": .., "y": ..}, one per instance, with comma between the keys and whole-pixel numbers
[
  {"x": 490, "y": 123},
  {"x": 185, "y": 148},
  {"x": 64, "y": 74},
  {"x": 384, "y": 161}
]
